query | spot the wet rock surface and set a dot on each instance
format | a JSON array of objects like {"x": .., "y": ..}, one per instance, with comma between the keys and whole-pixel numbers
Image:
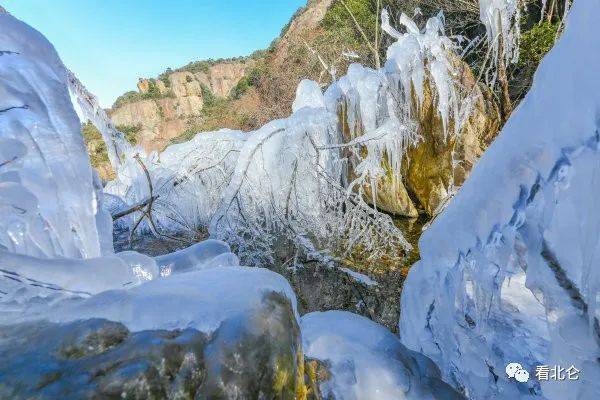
[{"x": 254, "y": 356}]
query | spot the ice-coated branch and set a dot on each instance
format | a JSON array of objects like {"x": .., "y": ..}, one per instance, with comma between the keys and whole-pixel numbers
[
  {"x": 387, "y": 27},
  {"x": 136, "y": 207},
  {"x": 501, "y": 19},
  {"x": 117, "y": 145}
]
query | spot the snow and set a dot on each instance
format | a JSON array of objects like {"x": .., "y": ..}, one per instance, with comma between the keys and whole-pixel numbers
[
  {"x": 508, "y": 272},
  {"x": 366, "y": 361}
]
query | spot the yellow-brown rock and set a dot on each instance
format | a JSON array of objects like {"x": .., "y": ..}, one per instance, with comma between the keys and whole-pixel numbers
[
  {"x": 177, "y": 105},
  {"x": 441, "y": 160}
]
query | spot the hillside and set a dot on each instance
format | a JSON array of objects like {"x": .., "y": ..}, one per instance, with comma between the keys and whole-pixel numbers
[
  {"x": 165, "y": 107},
  {"x": 319, "y": 43},
  {"x": 240, "y": 93}
]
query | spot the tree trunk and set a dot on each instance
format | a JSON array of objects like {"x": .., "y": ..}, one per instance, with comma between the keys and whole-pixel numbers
[{"x": 506, "y": 103}]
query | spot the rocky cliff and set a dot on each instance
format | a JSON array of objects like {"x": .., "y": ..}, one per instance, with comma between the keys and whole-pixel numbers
[{"x": 166, "y": 107}]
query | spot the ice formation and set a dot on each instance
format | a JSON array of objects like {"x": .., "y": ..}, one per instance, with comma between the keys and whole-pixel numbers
[
  {"x": 55, "y": 232},
  {"x": 207, "y": 254},
  {"x": 58, "y": 271},
  {"x": 509, "y": 272},
  {"x": 48, "y": 202},
  {"x": 381, "y": 107},
  {"x": 285, "y": 178},
  {"x": 291, "y": 177},
  {"x": 201, "y": 300},
  {"x": 366, "y": 361},
  {"x": 118, "y": 148},
  {"x": 502, "y": 23}
]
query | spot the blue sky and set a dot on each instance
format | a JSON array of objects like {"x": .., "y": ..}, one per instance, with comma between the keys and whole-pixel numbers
[{"x": 110, "y": 43}]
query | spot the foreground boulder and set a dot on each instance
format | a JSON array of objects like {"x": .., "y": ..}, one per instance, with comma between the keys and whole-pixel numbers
[{"x": 251, "y": 356}]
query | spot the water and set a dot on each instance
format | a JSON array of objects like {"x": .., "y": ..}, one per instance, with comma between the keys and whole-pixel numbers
[{"x": 412, "y": 228}]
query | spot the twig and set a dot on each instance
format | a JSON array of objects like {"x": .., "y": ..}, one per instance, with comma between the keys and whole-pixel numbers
[
  {"x": 362, "y": 33},
  {"x": 137, "y": 207}
]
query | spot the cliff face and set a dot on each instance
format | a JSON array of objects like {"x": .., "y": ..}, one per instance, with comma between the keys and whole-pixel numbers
[
  {"x": 166, "y": 107},
  {"x": 199, "y": 97}
]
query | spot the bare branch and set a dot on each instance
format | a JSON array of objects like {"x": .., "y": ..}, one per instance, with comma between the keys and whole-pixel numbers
[
  {"x": 136, "y": 207},
  {"x": 363, "y": 34}
]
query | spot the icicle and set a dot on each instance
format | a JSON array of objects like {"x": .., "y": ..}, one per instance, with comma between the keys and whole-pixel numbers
[{"x": 501, "y": 19}]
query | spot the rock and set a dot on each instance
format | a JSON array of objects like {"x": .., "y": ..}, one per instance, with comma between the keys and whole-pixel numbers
[
  {"x": 359, "y": 359},
  {"x": 390, "y": 194},
  {"x": 144, "y": 112},
  {"x": 440, "y": 161},
  {"x": 257, "y": 354},
  {"x": 436, "y": 164},
  {"x": 222, "y": 77},
  {"x": 176, "y": 103}
]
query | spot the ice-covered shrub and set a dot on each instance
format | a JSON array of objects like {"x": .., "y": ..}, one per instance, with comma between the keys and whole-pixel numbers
[{"x": 290, "y": 178}]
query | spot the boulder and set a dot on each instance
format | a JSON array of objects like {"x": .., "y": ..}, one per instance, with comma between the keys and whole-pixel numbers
[
  {"x": 257, "y": 354},
  {"x": 442, "y": 161}
]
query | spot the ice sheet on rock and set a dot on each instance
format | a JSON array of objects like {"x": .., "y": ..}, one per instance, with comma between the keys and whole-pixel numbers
[
  {"x": 366, "y": 361},
  {"x": 31, "y": 284},
  {"x": 198, "y": 256},
  {"x": 87, "y": 276},
  {"x": 199, "y": 299},
  {"x": 508, "y": 273},
  {"x": 48, "y": 203},
  {"x": 379, "y": 105}
]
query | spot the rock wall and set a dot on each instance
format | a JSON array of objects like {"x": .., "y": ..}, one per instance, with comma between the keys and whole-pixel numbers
[
  {"x": 436, "y": 164},
  {"x": 169, "y": 107}
]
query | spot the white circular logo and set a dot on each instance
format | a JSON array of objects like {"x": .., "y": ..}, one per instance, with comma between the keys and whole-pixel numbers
[{"x": 515, "y": 370}]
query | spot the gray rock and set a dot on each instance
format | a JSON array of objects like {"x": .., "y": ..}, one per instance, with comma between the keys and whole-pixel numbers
[{"x": 254, "y": 356}]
